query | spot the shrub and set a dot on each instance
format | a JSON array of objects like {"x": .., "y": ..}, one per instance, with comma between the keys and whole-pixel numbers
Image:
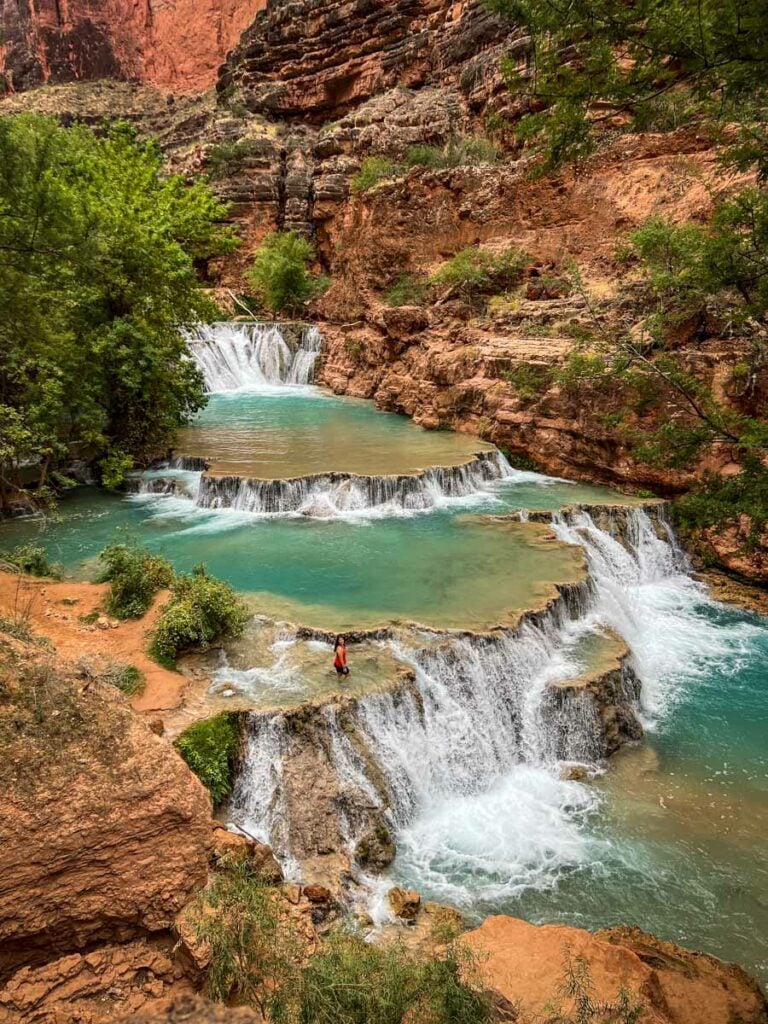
[
  {"x": 202, "y": 609},
  {"x": 113, "y": 469},
  {"x": 33, "y": 560},
  {"x": 458, "y": 151},
  {"x": 373, "y": 170},
  {"x": 406, "y": 290},
  {"x": 473, "y": 270},
  {"x": 722, "y": 499},
  {"x": 280, "y": 273},
  {"x": 349, "y": 981},
  {"x": 209, "y": 748},
  {"x": 226, "y": 157},
  {"x": 135, "y": 576},
  {"x": 529, "y": 380},
  {"x": 126, "y": 678}
]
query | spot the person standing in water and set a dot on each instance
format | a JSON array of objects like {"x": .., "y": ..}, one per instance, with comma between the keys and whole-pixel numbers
[{"x": 340, "y": 656}]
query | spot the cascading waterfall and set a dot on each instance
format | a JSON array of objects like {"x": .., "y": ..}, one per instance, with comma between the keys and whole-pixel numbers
[
  {"x": 252, "y": 356},
  {"x": 483, "y": 726},
  {"x": 332, "y": 494}
]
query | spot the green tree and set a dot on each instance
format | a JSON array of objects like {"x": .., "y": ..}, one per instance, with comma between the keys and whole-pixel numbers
[
  {"x": 280, "y": 273},
  {"x": 98, "y": 248},
  {"x": 590, "y": 60}
]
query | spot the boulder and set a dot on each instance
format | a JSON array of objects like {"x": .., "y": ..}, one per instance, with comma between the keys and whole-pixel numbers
[
  {"x": 405, "y": 903},
  {"x": 525, "y": 964},
  {"x": 104, "y": 831}
]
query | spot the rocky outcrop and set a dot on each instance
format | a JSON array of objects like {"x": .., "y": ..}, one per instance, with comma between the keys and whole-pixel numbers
[
  {"x": 524, "y": 964},
  {"x": 105, "y": 833},
  {"x": 311, "y": 59},
  {"x": 178, "y": 45}
]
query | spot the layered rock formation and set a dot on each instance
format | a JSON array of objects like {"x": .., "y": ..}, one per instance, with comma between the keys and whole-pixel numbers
[{"x": 178, "y": 45}]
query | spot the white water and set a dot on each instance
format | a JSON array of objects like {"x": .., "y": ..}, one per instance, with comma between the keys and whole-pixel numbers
[
  {"x": 252, "y": 356},
  {"x": 471, "y": 758}
]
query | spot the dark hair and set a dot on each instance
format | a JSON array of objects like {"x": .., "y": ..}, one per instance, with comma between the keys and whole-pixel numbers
[{"x": 337, "y": 641}]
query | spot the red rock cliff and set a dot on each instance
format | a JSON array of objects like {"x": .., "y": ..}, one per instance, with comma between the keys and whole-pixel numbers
[{"x": 176, "y": 44}]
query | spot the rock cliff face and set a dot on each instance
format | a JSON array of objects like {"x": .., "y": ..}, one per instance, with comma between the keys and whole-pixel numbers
[
  {"x": 317, "y": 60},
  {"x": 177, "y": 44},
  {"x": 105, "y": 833}
]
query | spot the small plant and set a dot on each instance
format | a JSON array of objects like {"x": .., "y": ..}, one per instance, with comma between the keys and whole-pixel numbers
[
  {"x": 135, "y": 576},
  {"x": 253, "y": 950},
  {"x": 406, "y": 290},
  {"x": 473, "y": 271},
  {"x": 280, "y": 273},
  {"x": 31, "y": 559},
  {"x": 373, "y": 170},
  {"x": 209, "y": 748},
  {"x": 226, "y": 157},
  {"x": 126, "y": 678},
  {"x": 529, "y": 380},
  {"x": 576, "y": 991},
  {"x": 202, "y": 610},
  {"x": 458, "y": 151}
]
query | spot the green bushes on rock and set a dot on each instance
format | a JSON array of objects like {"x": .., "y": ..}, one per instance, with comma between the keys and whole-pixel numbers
[
  {"x": 31, "y": 559},
  {"x": 473, "y": 271},
  {"x": 135, "y": 576},
  {"x": 202, "y": 609},
  {"x": 406, "y": 290},
  {"x": 209, "y": 748},
  {"x": 458, "y": 151},
  {"x": 373, "y": 170},
  {"x": 280, "y": 273}
]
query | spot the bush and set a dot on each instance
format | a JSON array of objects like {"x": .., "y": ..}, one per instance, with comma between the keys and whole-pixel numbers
[
  {"x": 373, "y": 170},
  {"x": 473, "y": 270},
  {"x": 126, "y": 678},
  {"x": 226, "y": 157},
  {"x": 135, "y": 576},
  {"x": 529, "y": 380},
  {"x": 723, "y": 499},
  {"x": 202, "y": 609},
  {"x": 113, "y": 468},
  {"x": 33, "y": 560},
  {"x": 458, "y": 151},
  {"x": 209, "y": 748},
  {"x": 280, "y": 273},
  {"x": 349, "y": 981},
  {"x": 406, "y": 290}
]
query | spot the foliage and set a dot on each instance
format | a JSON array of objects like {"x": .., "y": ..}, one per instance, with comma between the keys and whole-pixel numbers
[
  {"x": 226, "y": 157},
  {"x": 280, "y": 273},
  {"x": 350, "y": 981},
  {"x": 126, "y": 678},
  {"x": 31, "y": 559},
  {"x": 209, "y": 748},
  {"x": 406, "y": 290},
  {"x": 720, "y": 499},
  {"x": 374, "y": 169},
  {"x": 114, "y": 467},
  {"x": 97, "y": 276},
  {"x": 135, "y": 576},
  {"x": 576, "y": 989},
  {"x": 629, "y": 58},
  {"x": 473, "y": 271},
  {"x": 529, "y": 380},
  {"x": 202, "y": 610},
  {"x": 458, "y": 151}
]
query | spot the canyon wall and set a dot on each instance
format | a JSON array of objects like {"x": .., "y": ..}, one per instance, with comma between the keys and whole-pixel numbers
[{"x": 175, "y": 44}]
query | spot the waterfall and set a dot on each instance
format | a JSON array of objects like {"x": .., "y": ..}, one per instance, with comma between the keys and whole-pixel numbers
[
  {"x": 332, "y": 494},
  {"x": 252, "y": 356},
  {"x": 463, "y": 763}
]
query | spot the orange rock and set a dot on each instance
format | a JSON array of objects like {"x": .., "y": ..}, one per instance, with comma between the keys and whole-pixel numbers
[{"x": 524, "y": 964}]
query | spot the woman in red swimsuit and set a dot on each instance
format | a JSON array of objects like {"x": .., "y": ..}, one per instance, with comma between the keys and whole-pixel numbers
[{"x": 340, "y": 656}]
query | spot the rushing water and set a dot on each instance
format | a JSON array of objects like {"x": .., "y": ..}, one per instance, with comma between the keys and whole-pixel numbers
[{"x": 672, "y": 836}]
